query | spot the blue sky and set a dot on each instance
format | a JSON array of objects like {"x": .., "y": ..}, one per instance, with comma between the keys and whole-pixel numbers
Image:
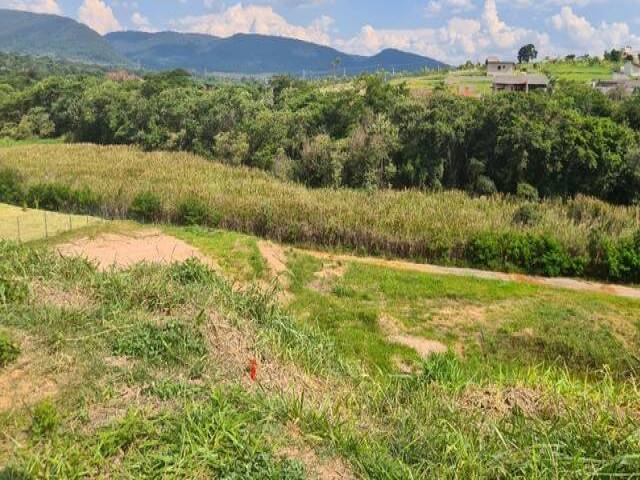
[{"x": 450, "y": 30}]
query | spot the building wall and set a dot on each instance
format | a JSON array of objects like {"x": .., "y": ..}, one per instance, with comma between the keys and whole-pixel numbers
[
  {"x": 631, "y": 70},
  {"x": 500, "y": 69}
]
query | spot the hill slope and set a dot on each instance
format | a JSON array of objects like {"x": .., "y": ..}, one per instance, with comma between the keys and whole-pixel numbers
[
  {"x": 52, "y": 35},
  {"x": 253, "y": 54}
]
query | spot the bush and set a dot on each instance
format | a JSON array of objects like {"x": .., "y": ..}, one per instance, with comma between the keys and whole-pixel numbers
[
  {"x": 146, "y": 207},
  {"x": 535, "y": 254},
  {"x": 9, "y": 351},
  {"x": 11, "y": 188},
  {"x": 527, "y": 215},
  {"x": 192, "y": 211},
  {"x": 615, "y": 260},
  {"x": 57, "y": 197},
  {"x": 527, "y": 192}
]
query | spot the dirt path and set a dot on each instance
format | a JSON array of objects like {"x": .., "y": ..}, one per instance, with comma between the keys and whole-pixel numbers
[{"x": 563, "y": 283}]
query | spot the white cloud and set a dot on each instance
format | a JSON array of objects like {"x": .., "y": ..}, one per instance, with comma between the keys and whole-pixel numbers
[
  {"x": 99, "y": 16},
  {"x": 37, "y": 6},
  {"x": 255, "y": 19},
  {"x": 582, "y": 36},
  {"x": 456, "y": 41},
  {"x": 141, "y": 22}
]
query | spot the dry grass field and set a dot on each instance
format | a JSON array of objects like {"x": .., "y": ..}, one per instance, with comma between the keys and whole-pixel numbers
[
  {"x": 25, "y": 224},
  {"x": 413, "y": 224}
]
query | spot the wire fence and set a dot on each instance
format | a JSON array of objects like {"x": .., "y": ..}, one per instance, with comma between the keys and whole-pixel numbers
[{"x": 34, "y": 225}]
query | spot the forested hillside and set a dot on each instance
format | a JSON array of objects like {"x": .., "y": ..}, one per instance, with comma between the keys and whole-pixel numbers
[
  {"x": 55, "y": 36},
  {"x": 255, "y": 54},
  {"x": 366, "y": 134}
]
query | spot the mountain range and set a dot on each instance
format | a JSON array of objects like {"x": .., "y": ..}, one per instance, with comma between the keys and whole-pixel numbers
[{"x": 250, "y": 54}]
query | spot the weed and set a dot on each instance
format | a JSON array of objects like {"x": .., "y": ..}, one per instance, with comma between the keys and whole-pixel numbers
[
  {"x": 172, "y": 344},
  {"x": 9, "y": 351},
  {"x": 45, "y": 419}
]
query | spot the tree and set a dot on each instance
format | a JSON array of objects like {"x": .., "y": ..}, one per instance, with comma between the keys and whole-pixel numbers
[{"x": 527, "y": 53}]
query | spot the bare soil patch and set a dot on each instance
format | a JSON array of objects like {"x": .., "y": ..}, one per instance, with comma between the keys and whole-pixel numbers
[
  {"x": 48, "y": 294},
  {"x": 25, "y": 383},
  {"x": 499, "y": 402},
  {"x": 325, "y": 279},
  {"x": 332, "y": 468},
  {"x": 234, "y": 349},
  {"x": 276, "y": 259},
  {"x": 396, "y": 334},
  {"x": 123, "y": 251}
]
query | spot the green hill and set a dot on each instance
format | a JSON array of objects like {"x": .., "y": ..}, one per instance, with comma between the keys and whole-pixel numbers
[
  {"x": 55, "y": 36},
  {"x": 254, "y": 54}
]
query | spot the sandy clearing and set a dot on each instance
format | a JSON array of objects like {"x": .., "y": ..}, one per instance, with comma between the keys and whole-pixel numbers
[
  {"x": 560, "y": 283},
  {"x": 122, "y": 251}
]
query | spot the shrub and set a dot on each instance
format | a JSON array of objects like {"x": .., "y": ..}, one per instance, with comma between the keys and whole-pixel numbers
[
  {"x": 615, "y": 260},
  {"x": 9, "y": 351},
  {"x": 527, "y": 215},
  {"x": 484, "y": 186},
  {"x": 58, "y": 197},
  {"x": 192, "y": 211},
  {"x": 146, "y": 207},
  {"x": 11, "y": 189},
  {"x": 527, "y": 192},
  {"x": 533, "y": 253}
]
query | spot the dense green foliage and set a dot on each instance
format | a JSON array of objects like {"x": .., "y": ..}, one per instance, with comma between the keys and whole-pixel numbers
[{"x": 367, "y": 134}]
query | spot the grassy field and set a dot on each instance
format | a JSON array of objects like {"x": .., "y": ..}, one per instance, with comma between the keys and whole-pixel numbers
[
  {"x": 146, "y": 373},
  {"x": 24, "y": 224},
  {"x": 476, "y": 82},
  {"x": 579, "y": 71},
  {"x": 411, "y": 224}
]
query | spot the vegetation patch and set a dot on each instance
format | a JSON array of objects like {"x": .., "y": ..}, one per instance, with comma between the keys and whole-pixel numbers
[
  {"x": 9, "y": 350},
  {"x": 171, "y": 344}
]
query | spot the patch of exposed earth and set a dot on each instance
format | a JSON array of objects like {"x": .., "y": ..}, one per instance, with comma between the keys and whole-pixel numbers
[{"x": 121, "y": 251}]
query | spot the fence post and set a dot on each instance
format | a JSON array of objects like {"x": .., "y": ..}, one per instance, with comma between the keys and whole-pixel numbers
[
  {"x": 70, "y": 223},
  {"x": 46, "y": 227},
  {"x": 19, "y": 236}
]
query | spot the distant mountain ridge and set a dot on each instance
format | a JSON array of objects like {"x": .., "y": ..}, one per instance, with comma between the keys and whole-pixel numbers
[
  {"x": 244, "y": 54},
  {"x": 55, "y": 36},
  {"x": 253, "y": 54}
]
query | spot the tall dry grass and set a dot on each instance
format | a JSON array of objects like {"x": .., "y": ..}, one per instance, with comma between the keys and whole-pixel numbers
[{"x": 403, "y": 223}]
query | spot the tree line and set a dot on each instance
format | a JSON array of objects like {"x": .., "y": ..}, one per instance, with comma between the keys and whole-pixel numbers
[{"x": 366, "y": 134}]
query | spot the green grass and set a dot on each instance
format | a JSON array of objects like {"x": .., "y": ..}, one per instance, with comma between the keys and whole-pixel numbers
[
  {"x": 23, "y": 224},
  {"x": 237, "y": 254},
  {"x": 151, "y": 381},
  {"x": 579, "y": 71}
]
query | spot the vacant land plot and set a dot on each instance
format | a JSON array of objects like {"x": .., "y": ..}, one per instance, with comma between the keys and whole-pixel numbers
[
  {"x": 24, "y": 224},
  {"x": 173, "y": 371}
]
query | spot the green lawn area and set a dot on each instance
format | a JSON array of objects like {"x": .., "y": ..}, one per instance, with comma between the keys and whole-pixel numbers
[
  {"x": 25, "y": 224},
  {"x": 579, "y": 71}
]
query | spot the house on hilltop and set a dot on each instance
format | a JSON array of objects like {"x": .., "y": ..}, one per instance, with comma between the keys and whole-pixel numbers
[
  {"x": 520, "y": 83},
  {"x": 497, "y": 67}
]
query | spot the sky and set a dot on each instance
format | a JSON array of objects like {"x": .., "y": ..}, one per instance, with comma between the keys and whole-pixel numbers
[{"x": 449, "y": 30}]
